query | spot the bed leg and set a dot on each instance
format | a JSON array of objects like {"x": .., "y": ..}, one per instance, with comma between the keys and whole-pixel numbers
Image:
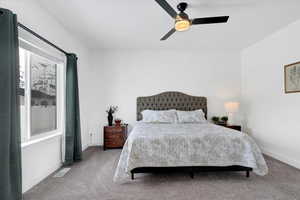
[
  {"x": 192, "y": 175},
  {"x": 247, "y": 173},
  {"x": 132, "y": 175}
]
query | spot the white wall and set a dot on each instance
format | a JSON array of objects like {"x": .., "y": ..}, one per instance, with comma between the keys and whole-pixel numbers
[
  {"x": 40, "y": 159},
  {"x": 119, "y": 77},
  {"x": 272, "y": 116}
]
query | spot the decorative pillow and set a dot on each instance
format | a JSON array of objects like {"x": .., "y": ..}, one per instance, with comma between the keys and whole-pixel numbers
[
  {"x": 161, "y": 116},
  {"x": 196, "y": 116}
]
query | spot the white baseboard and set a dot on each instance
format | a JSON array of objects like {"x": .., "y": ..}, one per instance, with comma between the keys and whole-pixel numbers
[
  {"x": 91, "y": 145},
  {"x": 290, "y": 161}
]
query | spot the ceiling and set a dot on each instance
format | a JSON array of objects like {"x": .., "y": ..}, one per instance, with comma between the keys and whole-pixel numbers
[{"x": 137, "y": 24}]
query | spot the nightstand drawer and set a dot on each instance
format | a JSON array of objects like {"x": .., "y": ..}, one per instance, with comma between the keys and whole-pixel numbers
[
  {"x": 113, "y": 129},
  {"x": 113, "y": 144},
  {"x": 113, "y": 135},
  {"x": 235, "y": 127}
]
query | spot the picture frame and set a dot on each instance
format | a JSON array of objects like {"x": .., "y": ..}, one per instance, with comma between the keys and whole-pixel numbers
[{"x": 292, "y": 78}]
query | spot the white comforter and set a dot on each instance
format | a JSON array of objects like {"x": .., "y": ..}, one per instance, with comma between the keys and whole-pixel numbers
[{"x": 168, "y": 145}]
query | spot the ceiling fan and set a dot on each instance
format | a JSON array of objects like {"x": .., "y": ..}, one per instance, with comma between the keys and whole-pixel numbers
[{"x": 182, "y": 20}]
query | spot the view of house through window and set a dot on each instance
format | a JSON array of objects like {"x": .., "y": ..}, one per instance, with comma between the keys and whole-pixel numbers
[
  {"x": 38, "y": 94},
  {"x": 43, "y": 95}
]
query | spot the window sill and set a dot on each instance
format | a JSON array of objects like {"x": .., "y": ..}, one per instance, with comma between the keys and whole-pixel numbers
[{"x": 34, "y": 141}]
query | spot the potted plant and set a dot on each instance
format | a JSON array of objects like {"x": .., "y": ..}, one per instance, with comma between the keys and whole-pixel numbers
[
  {"x": 224, "y": 119},
  {"x": 110, "y": 111},
  {"x": 118, "y": 121},
  {"x": 215, "y": 119}
]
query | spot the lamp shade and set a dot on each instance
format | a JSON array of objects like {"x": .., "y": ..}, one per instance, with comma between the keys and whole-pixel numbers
[{"x": 232, "y": 107}]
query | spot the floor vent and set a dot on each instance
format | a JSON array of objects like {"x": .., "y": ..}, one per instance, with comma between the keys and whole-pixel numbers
[{"x": 62, "y": 172}]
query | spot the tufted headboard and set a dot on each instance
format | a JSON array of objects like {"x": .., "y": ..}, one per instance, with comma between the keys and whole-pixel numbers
[{"x": 170, "y": 100}]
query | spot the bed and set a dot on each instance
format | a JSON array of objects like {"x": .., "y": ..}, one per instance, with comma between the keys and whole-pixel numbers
[{"x": 154, "y": 147}]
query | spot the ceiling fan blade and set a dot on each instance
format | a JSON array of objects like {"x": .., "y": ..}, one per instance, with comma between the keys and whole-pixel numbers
[
  {"x": 166, "y": 6},
  {"x": 210, "y": 20},
  {"x": 173, "y": 30}
]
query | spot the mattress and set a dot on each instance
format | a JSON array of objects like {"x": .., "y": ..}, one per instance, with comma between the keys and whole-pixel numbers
[{"x": 179, "y": 145}]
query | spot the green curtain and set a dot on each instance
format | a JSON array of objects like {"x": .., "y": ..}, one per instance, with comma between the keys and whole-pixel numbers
[
  {"x": 73, "y": 134},
  {"x": 10, "y": 143}
]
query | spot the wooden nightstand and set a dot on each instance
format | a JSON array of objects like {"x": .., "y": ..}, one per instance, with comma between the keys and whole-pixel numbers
[
  {"x": 235, "y": 127},
  {"x": 114, "y": 136}
]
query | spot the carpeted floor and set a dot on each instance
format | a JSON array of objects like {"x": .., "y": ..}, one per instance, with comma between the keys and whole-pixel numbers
[{"x": 91, "y": 179}]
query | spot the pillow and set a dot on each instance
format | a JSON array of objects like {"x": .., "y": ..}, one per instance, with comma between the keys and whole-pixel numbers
[
  {"x": 161, "y": 116},
  {"x": 196, "y": 116}
]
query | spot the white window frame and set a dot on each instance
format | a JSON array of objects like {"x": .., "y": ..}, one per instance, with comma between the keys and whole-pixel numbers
[{"x": 60, "y": 93}]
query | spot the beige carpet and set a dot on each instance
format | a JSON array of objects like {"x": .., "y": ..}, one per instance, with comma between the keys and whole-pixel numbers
[{"x": 91, "y": 179}]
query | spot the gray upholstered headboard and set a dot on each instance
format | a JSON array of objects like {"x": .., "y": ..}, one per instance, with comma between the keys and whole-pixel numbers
[{"x": 170, "y": 100}]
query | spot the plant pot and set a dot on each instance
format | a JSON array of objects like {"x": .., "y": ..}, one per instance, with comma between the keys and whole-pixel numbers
[
  {"x": 110, "y": 119},
  {"x": 118, "y": 122}
]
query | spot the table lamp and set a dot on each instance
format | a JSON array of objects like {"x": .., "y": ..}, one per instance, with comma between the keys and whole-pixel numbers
[{"x": 231, "y": 108}]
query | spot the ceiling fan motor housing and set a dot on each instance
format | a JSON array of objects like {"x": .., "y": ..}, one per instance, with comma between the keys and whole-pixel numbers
[{"x": 183, "y": 15}]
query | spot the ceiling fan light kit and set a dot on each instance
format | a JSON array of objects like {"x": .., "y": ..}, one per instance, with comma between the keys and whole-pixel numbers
[
  {"x": 182, "y": 24},
  {"x": 182, "y": 20}
]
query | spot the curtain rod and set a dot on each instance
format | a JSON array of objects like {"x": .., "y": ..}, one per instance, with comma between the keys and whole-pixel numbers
[{"x": 41, "y": 38}]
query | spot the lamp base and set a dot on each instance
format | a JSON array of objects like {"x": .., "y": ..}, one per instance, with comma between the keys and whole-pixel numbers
[{"x": 230, "y": 121}]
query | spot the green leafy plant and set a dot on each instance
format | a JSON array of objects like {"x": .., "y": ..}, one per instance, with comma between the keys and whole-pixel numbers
[
  {"x": 215, "y": 119},
  {"x": 224, "y": 119}
]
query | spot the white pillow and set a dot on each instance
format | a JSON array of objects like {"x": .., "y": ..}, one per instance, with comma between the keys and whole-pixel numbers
[
  {"x": 159, "y": 116},
  {"x": 196, "y": 116}
]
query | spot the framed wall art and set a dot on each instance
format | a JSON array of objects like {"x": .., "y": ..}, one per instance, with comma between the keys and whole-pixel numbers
[{"x": 292, "y": 78}]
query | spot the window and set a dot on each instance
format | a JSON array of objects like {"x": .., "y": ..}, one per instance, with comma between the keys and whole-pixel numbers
[{"x": 41, "y": 93}]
